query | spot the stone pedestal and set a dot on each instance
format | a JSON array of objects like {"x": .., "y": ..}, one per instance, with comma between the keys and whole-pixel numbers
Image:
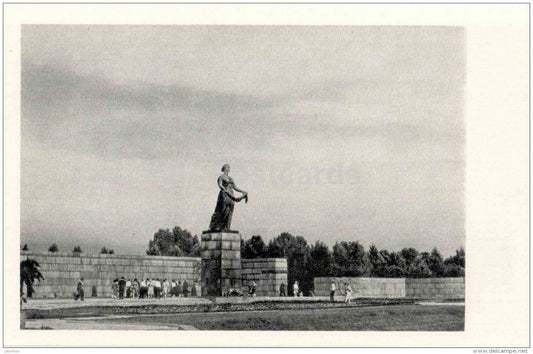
[{"x": 221, "y": 262}]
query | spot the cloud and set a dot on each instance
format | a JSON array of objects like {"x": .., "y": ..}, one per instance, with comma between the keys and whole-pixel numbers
[{"x": 64, "y": 110}]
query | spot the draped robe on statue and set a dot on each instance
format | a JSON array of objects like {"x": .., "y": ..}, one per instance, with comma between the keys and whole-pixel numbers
[{"x": 221, "y": 219}]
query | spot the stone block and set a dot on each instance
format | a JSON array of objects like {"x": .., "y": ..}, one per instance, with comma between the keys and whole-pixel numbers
[
  {"x": 246, "y": 271},
  {"x": 225, "y": 245},
  {"x": 210, "y": 245},
  {"x": 75, "y": 260},
  {"x": 225, "y": 263},
  {"x": 230, "y": 255},
  {"x": 211, "y": 254},
  {"x": 230, "y": 236}
]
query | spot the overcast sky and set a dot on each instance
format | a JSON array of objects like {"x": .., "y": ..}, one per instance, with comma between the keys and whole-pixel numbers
[{"x": 337, "y": 133}]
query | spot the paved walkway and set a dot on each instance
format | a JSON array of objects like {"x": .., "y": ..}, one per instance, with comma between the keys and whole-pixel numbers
[
  {"x": 88, "y": 324},
  {"x": 432, "y": 303},
  {"x": 48, "y": 304}
]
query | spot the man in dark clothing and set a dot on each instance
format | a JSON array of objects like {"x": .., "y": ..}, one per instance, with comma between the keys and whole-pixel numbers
[
  {"x": 121, "y": 288},
  {"x": 185, "y": 289},
  {"x": 332, "y": 291},
  {"x": 79, "y": 291},
  {"x": 282, "y": 291}
]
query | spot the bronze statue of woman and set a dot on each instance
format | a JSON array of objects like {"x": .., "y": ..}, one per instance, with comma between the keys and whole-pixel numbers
[{"x": 221, "y": 219}]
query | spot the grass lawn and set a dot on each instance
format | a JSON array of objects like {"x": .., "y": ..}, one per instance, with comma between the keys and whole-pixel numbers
[{"x": 375, "y": 318}]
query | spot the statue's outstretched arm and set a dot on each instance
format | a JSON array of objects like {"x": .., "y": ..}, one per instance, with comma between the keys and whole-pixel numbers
[{"x": 239, "y": 190}]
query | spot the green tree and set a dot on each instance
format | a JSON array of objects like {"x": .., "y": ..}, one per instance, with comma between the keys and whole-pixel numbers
[
  {"x": 419, "y": 269},
  {"x": 188, "y": 244},
  {"x": 104, "y": 250},
  {"x": 435, "y": 263},
  {"x": 455, "y": 266},
  {"x": 255, "y": 247},
  {"x": 29, "y": 272},
  {"x": 458, "y": 259},
  {"x": 178, "y": 243},
  {"x": 77, "y": 249},
  {"x": 295, "y": 250},
  {"x": 375, "y": 262},
  {"x": 53, "y": 248},
  {"x": 163, "y": 244},
  {"x": 453, "y": 270},
  {"x": 320, "y": 260},
  {"x": 396, "y": 266},
  {"x": 350, "y": 259},
  {"x": 409, "y": 255}
]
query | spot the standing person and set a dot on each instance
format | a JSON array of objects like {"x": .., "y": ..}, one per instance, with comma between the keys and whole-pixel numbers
[
  {"x": 135, "y": 286},
  {"x": 142, "y": 289},
  {"x": 347, "y": 293},
  {"x": 114, "y": 288},
  {"x": 193, "y": 289},
  {"x": 295, "y": 289},
  {"x": 128, "y": 288},
  {"x": 157, "y": 288},
  {"x": 166, "y": 288},
  {"x": 150, "y": 285},
  {"x": 185, "y": 288},
  {"x": 332, "y": 291},
  {"x": 179, "y": 289},
  {"x": 254, "y": 289},
  {"x": 172, "y": 287},
  {"x": 282, "y": 291},
  {"x": 79, "y": 290},
  {"x": 121, "y": 288}
]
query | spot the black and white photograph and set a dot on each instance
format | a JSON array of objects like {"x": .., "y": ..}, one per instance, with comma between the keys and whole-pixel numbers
[{"x": 238, "y": 177}]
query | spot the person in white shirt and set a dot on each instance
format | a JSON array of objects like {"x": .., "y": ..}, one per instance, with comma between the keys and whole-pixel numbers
[
  {"x": 295, "y": 289},
  {"x": 166, "y": 288},
  {"x": 128, "y": 288},
  {"x": 347, "y": 293},
  {"x": 150, "y": 285}
]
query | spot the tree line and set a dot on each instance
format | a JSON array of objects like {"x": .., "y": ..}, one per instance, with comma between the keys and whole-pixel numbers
[
  {"x": 349, "y": 259},
  {"x": 77, "y": 249},
  {"x": 308, "y": 261}
]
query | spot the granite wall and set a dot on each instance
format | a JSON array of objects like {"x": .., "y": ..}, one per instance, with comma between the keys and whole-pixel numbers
[
  {"x": 61, "y": 271},
  {"x": 268, "y": 274},
  {"x": 422, "y": 288},
  {"x": 435, "y": 288}
]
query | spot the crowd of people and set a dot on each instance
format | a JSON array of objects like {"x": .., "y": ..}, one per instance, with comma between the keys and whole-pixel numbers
[
  {"x": 151, "y": 288},
  {"x": 163, "y": 288}
]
